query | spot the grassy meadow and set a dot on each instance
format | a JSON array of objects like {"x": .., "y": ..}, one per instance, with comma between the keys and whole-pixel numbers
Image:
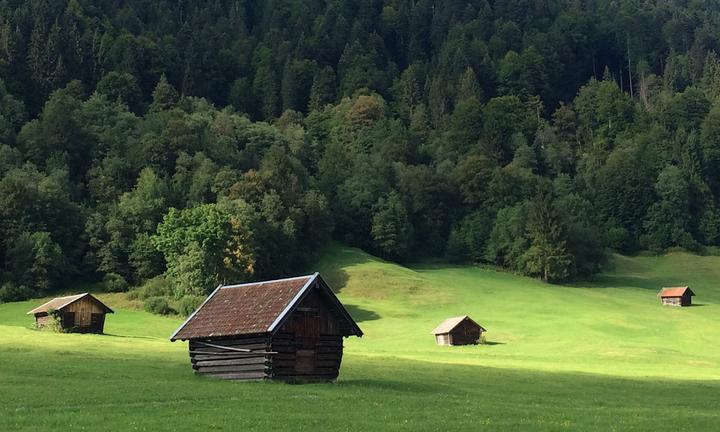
[{"x": 602, "y": 355}]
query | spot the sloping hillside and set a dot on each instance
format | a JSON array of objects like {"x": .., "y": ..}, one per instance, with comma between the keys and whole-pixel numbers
[
  {"x": 614, "y": 325},
  {"x": 600, "y": 357}
]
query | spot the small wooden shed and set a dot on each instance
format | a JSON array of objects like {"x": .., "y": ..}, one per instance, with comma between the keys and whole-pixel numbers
[
  {"x": 287, "y": 329},
  {"x": 81, "y": 313},
  {"x": 460, "y": 330},
  {"x": 676, "y": 296}
]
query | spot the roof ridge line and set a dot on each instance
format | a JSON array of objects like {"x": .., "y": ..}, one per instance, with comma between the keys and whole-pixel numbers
[{"x": 268, "y": 281}]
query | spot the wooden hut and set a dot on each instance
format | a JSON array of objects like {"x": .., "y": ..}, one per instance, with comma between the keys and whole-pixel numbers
[
  {"x": 676, "y": 296},
  {"x": 460, "y": 330},
  {"x": 286, "y": 329},
  {"x": 80, "y": 313}
]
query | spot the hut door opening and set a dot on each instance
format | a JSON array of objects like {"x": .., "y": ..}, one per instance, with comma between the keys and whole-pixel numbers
[
  {"x": 96, "y": 322},
  {"x": 68, "y": 319},
  {"x": 307, "y": 334}
]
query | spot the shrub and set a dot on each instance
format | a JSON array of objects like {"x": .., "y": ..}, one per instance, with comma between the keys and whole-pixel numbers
[
  {"x": 188, "y": 304},
  {"x": 10, "y": 292},
  {"x": 155, "y": 287},
  {"x": 158, "y": 305},
  {"x": 115, "y": 283},
  {"x": 55, "y": 323}
]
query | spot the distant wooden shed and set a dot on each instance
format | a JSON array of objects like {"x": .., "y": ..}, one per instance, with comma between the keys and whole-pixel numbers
[
  {"x": 460, "y": 330},
  {"x": 676, "y": 296},
  {"x": 286, "y": 329},
  {"x": 81, "y": 313}
]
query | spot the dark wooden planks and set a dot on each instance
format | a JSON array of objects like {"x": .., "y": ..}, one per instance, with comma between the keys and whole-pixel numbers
[
  {"x": 231, "y": 362},
  {"x": 237, "y": 375},
  {"x": 281, "y": 357}
]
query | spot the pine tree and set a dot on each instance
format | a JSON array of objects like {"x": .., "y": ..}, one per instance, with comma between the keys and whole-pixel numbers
[
  {"x": 37, "y": 58},
  {"x": 547, "y": 256},
  {"x": 266, "y": 83},
  {"x": 391, "y": 229},
  {"x": 468, "y": 86},
  {"x": 322, "y": 91},
  {"x": 164, "y": 96}
]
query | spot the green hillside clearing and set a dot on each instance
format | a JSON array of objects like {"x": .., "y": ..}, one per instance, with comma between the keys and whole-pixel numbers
[{"x": 595, "y": 356}]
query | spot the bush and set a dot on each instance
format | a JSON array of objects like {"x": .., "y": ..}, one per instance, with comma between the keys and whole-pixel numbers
[
  {"x": 55, "y": 323},
  {"x": 10, "y": 292},
  {"x": 158, "y": 305},
  {"x": 189, "y": 304},
  {"x": 115, "y": 283},
  {"x": 155, "y": 287}
]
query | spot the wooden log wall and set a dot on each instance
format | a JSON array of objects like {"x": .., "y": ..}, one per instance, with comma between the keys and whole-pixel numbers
[
  {"x": 294, "y": 361},
  {"x": 671, "y": 301},
  {"x": 466, "y": 333},
  {"x": 442, "y": 339},
  {"x": 42, "y": 320},
  {"x": 234, "y": 359},
  {"x": 83, "y": 310}
]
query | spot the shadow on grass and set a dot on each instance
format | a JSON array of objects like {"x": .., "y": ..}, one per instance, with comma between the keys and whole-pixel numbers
[
  {"x": 359, "y": 314},
  {"x": 337, "y": 278},
  {"x": 335, "y": 259},
  {"x": 492, "y": 343}
]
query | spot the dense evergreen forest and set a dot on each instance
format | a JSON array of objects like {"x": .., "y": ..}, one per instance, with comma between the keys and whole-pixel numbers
[{"x": 188, "y": 143}]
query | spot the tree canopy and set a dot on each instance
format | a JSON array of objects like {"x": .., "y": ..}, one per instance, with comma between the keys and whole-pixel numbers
[{"x": 229, "y": 141}]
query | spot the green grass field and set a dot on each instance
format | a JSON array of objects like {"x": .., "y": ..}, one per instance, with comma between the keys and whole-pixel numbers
[{"x": 602, "y": 355}]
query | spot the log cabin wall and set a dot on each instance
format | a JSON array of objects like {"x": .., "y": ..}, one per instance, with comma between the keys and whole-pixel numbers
[
  {"x": 309, "y": 346},
  {"x": 442, "y": 339},
  {"x": 686, "y": 299},
  {"x": 671, "y": 301},
  {"x": 241, "y": 358},
  {"x": 83, "y": 310},
  {"x": 42, "y": 319},
  {"x": 87, "y": 316},
  {"x": 465, "y": 333}
]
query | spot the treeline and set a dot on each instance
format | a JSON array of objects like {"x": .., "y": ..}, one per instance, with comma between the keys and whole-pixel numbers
[{"x": 229, "y": 141}]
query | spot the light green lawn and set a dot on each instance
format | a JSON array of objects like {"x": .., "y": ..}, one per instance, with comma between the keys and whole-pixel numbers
[
  {"x": 615, "y": 326},
  {"x": 600, "y": 356}
]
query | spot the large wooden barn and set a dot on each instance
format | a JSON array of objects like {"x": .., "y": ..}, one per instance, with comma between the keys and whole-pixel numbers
[
  {"x": 460, "y": 330},
  {"x": 288, "y": 329},
  {"x": 80, "y": 313},
  {"x": 676, "y": 296}
]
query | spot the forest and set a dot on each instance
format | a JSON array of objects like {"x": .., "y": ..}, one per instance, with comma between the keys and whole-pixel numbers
[{"x": 176, "y": 145}]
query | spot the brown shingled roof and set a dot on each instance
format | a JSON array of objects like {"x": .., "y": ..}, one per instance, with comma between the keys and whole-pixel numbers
[
  {"x": 60, "y": 302},
  {"x": 252, "y": 308},
  {"x": 675, "y": 291},
  {"x": 450, "y": 323}
]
